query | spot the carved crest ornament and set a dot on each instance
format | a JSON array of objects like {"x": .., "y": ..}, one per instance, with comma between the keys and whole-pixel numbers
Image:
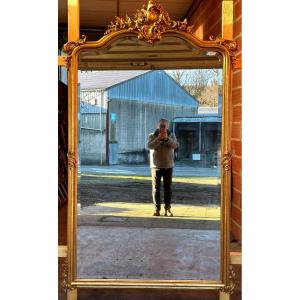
[{"x": 150, "y": 22}]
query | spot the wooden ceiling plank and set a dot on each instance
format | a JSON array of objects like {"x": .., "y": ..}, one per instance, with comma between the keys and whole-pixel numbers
[{"x": 96, "y": 13}]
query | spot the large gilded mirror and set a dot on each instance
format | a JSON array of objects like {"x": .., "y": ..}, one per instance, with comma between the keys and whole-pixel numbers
[{"x": 149, "y": 156}]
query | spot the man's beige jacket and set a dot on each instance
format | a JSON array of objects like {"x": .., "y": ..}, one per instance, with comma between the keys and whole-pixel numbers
[{"x": 162, "y": 152}]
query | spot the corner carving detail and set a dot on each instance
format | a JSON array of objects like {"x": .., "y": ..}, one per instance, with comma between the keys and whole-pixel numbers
[
  {"x": 66, "y": 285},
  {"x": 229, "y": 289},
  {"x": 230, "y": 45},
  {"x": 69, "y": 46},
  {"x": 150, "y": 22}
]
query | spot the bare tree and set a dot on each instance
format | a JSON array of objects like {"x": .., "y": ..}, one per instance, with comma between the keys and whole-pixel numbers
[
  {"x": 178, "y": 76},
  {"x": 202, "y": 84}
]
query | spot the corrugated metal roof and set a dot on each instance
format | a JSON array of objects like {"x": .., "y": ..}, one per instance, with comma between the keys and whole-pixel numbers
[
  {"x": 87, "y": 108},
  {"x": 105, "y": 79},
  {"x": 199, "y": 119},
  {"x": 155, "y": 86}
]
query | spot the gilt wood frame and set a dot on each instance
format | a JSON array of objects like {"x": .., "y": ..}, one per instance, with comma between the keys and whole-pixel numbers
[{"x": 227, "y": 49}]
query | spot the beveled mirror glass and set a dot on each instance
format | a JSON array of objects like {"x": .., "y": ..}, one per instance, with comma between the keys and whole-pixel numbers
[
  {"x": 119, "y": 89},
  {"x": 117, "y": 235}
]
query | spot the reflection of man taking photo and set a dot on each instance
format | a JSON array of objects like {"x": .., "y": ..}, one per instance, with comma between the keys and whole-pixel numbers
[{"x": 162, "y": 144}]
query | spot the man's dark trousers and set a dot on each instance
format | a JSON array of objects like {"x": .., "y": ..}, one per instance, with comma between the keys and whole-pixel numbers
[{"x": 166, "y": 174}]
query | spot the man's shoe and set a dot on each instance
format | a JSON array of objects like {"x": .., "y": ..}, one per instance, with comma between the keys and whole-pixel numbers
[
  {"x": 156, "y": 213},
  {"x": 168, "y": 213}
]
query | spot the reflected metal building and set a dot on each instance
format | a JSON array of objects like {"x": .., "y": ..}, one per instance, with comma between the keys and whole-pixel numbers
[{"x": 119, "y": 109}]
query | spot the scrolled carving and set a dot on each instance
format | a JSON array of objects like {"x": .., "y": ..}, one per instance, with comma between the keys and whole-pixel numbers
[
  {"x": 68, "y": 61},
  {"x": 230, "y": 45},
  {"x": 150, "y": 22},
  {"x": 231, "y": 282},
  {"x": 226, "y": 161},
  {"x": 69, "y": 46},
  {"x": 72, "y": 160},
  {"x": 66, "y": 285}
]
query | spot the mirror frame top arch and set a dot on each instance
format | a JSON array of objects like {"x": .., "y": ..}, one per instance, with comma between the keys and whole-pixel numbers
[{"x": 179, "y": 30}]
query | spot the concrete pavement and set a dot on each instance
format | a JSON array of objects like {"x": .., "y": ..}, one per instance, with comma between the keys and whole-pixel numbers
[
  {"x": 147, "y": 253},
  {"x": 123, "y": 240}
]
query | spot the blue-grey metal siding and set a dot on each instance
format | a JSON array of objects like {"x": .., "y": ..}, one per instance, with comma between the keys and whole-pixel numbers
[
  {"x": 91, "y": 109},
  {"x": 155, "y": 87}
]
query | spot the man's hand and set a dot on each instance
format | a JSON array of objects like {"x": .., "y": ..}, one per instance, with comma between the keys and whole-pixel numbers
[{"x": 163, "y": 135}]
